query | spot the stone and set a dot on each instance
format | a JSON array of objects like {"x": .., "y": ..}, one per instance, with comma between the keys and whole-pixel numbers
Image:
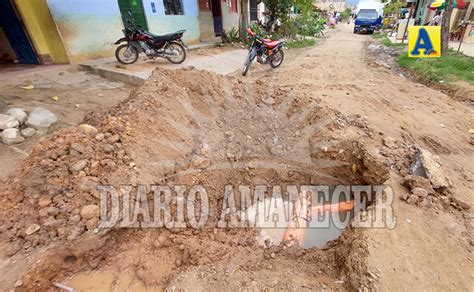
[
  {"x": 7, "y": 122},
  {"x": 113, "y": 139},
  {"x": 462, "y": 204},
  {"x": 75, "y": 232},
  {"x": 108, "y": 148},
  {"x": 88, "y": 129},
  {"x": 201, "y": 162},
  {"x": 92, "y": 224},
  {"x": 100, "y": 137},
  {"x": 32, "y": 229},
  {"x": 41, "y": 119},
  {"x": 404, "y": 196},
  {"x": 389, "y": 142},
  {"x": 433, "y": 169},
  {"x": 12, "y": 136},
  {"x": 28, "y": 132},
  {"x": 412, "y": 199},
  {"x": 419, "y": 192},
  {"x": 413, "y": 181},
  {"x": 90, "y": 212},
  {"x": 78, "y": 147},
  {"x": 78, "y": 166},
  {"x": 18, "y": 114},
  {"x": 445, "y": 201},
  {"x": 44, "y": 202},
  {"x": 425, "y": 203}
]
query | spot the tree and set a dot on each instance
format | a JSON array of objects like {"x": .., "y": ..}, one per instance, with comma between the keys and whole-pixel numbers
[
  {"x": 277, "y": 9},
  {"x": 244, "y": 8},
  {"x": 445, "y": 23}
]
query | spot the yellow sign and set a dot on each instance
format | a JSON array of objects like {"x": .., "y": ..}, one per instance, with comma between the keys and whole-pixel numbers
[{"x": 424, "y": 41}]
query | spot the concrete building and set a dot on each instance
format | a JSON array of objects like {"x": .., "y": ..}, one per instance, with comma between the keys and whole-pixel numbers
[{"x": 331, "y": 5}]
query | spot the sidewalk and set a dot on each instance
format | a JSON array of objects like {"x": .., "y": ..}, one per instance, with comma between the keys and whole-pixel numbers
[{"x": 224, "y": 61}]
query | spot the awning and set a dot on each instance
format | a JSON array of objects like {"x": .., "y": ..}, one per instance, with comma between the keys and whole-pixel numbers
[{"x": 440, "y": 4}]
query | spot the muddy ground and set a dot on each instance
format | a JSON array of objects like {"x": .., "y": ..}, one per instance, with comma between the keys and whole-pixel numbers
[{"x": 324, "y": 117}]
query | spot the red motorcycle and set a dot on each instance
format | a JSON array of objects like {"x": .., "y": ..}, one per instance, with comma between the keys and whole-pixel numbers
[
  {"x": 266, "y": 51},
  {"x": 169, "y": 46}
]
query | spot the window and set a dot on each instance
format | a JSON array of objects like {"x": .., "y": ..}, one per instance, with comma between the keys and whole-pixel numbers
[
  {"x": 205, "y": 5},
  {"x": 173, "y": 7},
  {"x": 233, "y": 6}
]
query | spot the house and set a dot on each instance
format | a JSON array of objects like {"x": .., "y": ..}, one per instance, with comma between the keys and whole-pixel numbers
[
  {"x": 331, "y": 5},
  {"x": 63, "y": 31}
]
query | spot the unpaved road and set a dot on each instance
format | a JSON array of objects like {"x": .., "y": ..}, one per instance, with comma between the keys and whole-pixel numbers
[
  {"x": 187, "y": 127},
  {"x": 427, "y": 250}
]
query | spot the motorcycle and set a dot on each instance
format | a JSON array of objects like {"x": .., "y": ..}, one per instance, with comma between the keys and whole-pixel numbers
[
  {"x": 169, "y": 46},
  {"x": 266, "y": 51}
]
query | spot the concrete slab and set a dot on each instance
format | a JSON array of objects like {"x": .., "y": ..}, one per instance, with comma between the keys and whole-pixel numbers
[{"x": 221, "y": 63}]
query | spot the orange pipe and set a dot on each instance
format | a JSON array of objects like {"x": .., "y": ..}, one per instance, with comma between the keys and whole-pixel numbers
[{"x": 297, "y": 233}]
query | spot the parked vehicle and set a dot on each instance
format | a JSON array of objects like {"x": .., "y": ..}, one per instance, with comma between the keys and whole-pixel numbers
[
  {"x": 137, "y": 40},
  {"x": 266, "y": 51},
  {"x": 367, "y": 20}
]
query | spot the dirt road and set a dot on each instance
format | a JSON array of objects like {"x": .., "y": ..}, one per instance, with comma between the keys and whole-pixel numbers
[
  {"x": 323, "y": 117},
  {"x": 427, "y": 250}
]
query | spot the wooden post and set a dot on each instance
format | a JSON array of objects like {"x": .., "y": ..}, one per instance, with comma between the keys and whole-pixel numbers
[{"x": 408, "y": 21}]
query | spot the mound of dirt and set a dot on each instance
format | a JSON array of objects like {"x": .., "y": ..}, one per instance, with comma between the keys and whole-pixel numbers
[{"x": 183, "y": 127}]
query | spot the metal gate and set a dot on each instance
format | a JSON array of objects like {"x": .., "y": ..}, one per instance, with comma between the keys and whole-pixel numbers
[{"x": 136, "y": 9}]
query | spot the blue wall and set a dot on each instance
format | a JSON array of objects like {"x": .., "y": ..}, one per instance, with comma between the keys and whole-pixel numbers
[
  {"x": 159, "y": 23},
  {"x": 89, "y": 28}
]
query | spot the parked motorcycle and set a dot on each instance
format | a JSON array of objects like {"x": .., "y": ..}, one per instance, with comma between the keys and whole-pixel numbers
[
  {"x": 266, "y": 51},
  {"x": 169, "y": 46}
]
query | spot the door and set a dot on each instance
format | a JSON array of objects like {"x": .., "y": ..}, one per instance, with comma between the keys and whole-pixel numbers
[
  {"x": 217, "y": 16},
  {"x": 15, "y": 33},
  {"x": 136, "y": 9}
]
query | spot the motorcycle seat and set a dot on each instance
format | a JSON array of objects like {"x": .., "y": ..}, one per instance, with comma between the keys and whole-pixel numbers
[
  {"x": 165, "y": 37},
  {"x": 271, "y": 45}
]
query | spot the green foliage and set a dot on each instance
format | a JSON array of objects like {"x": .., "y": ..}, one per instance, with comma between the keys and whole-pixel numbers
[
  {"x": 454, "y": 66},
  {"x": 300, "y": 43},
  {"x": 310, "y": 25},
  {"x": 346, "y": 14},
  {"x": 277, "y": 9},
  {"x": 393, "y": 8}
]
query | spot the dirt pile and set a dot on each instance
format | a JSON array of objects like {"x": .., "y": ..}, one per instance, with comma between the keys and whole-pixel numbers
[{"x": 178, "y": 130}]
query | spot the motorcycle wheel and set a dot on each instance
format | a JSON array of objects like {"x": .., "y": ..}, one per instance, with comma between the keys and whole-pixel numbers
[
  {"x": 174, "y": 52},
  {"x": 277, "y": 59},
  {"x": 126, "y": 54},
  {"x": 246, "y": 67}
]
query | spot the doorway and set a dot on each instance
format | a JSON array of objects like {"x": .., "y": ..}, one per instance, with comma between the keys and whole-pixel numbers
[
  {"x": 217, "y": 16},
  {"x": 136, "y": 9},
  {"x": 15, "y": 35}
]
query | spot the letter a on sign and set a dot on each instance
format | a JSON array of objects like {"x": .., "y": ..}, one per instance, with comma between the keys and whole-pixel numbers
[{"x": 424, "y": 41}]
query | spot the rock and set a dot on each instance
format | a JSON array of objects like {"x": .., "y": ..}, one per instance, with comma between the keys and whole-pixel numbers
[
  {"x": 433, "y": 169},
  {"x": 44, "y": 202},
  {"x": 12, "y": 136},
  {"x": 7, "y": 122},
  {"x": 404, "y": 196},
  {"x": 41, "y": 119},
  {"x": 32, "y": 229},
  {"x": 389, "y": 142},
  {"x": 78, "y": 147},
  {"x": 414, "y": 181},
  {"x": 201, "y": 162},
  {"x": 18, "y": 283},
  {"x": 100, "y": 137},
  {"x": 88, "y": 129},
  {"x": 419, "y": 192},
  {"x": 90, "y": 212},
  {"x": 92, "y": 224},
  {"x": 412, "y": 199},
  {"x": 78, "y": 166},
  {"x": 425, "y": 203},
  {"x": 445, "y": 201},
  {"x": 108, "y": 148},
  {"x": 75, "y": 232},
  {"x": 28, "y": 132},
  {"x": 113, "y": 139},
  {"x": 18, "y": 114},
  {"x": 462, "y": 204}
]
